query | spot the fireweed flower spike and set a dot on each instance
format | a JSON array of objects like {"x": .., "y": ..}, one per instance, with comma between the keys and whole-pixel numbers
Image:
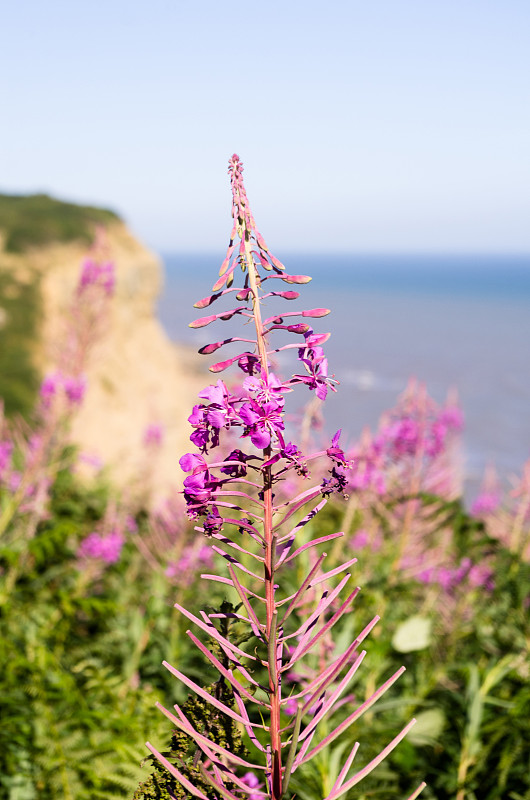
[{"x": 233, "y": 499}]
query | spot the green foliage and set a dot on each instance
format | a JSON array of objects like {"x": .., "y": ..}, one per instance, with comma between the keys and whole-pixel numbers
[
  {"x": 185, "y": 756},
  {"x": 28, "y": 221},
  {"x": 19, "y": 317},
  {"x": 466, "y": 680},
  {"x": 82, "y": 651}
]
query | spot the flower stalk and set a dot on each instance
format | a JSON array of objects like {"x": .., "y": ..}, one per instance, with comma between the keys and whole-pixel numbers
[{"x": 238, "y": 492}]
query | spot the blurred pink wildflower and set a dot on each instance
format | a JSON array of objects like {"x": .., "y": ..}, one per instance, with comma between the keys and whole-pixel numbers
[{"x": 106, "y": 548}]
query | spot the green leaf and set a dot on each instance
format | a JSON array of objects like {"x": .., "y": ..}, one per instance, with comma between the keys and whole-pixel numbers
[
  {"x": 413, "y": 634},
  {"x": 428, "y": 728}
]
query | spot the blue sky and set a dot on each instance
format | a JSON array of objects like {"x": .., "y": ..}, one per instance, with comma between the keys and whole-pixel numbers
[{"x": 381, "y": 125}]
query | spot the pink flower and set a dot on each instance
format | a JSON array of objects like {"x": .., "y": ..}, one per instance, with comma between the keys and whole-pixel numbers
[
  {"x": 6, "y": 449},
  {"x": 95, "y": 274},
  {"x": 485, "y": 503},
  {"x": 75, "y": 388},
  {"x": 452, "y": 417},
  {"x": 360, "y": 540},
  {"x": 104, "y": 548},
  {"x": 190, "y": 561},
  {"x": 153, "y": 435},
  {"x": 290, "y": 707},
  {"x": 49, "y": 387},
  {"x": 253, "y": 783},
  {"x": 481, "y": 576}
]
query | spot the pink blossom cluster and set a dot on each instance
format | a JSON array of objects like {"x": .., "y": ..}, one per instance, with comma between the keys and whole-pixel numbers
[
  {"x": 102, "y": 547},
  {"x": 450, "y": 578},
  {"x": 94, "y": 273},
  {"x": 6, "y": 452},
  {"x": 190, "y": 562},
  {"x": 485, "y": 503},
  {"x": 56, "y": 385},
  {"x": 411, "y": 438},
  {"x": 153, "y": 435},
  {"x": 413, "y": 430},
  {"x": 257, "y": 410}
]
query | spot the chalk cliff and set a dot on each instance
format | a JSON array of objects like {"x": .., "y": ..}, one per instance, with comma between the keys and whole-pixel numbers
[{"x": 136, "y": 377}]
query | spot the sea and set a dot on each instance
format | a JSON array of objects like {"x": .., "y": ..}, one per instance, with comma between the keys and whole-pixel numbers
[{"x": 453, "y": 322}]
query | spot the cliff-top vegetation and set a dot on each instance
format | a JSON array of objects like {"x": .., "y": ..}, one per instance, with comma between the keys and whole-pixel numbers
[{"x": 28, "y": 221}]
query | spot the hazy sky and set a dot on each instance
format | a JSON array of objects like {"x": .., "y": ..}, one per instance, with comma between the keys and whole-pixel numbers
[{"x": 374, "y": 125}]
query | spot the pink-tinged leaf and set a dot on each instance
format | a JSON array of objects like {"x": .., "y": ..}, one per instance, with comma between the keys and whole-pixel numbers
[
  {"x": 219, "y": 769},
  {"x": 301, "y": 590},
  {"x": 296, "y": 503},
  {"x": 308, "y": 624},
  {"x": 347, "y": 764},
  {"x": 237, "y": 663},
  {"x": 332, "y": 699},
  {"x": 228, "y": 653},
  {"x": 417, "y": 792},
  {"x": 239, "y": 494},
  {"x": 246, "y": 526},
  {"x": 339, "y": 729},
  {"x": 311, "y": 643},
  {"x": 308, "y": 517},
  {"x": 257, "y": 626},
  {"x": 349, "y": 784},
  {"x": 176, "y": 774},
  {"x": 225, "y": 540},
  {"x": 237, "y": 564},
  {"x": 316, "y": 312},
  {"x": 228, "y": 582},
  {"x": 333, "y": 572},
  {"x": 205, "y": 696},
  {"x": 212, "y": 631},
  {"x": 223, "y": 791},
  {"x": 325, "y": 678},
  {"x": 202, "y": 321},
  {"x": 225, "y": 672},
  {"x": 183, "y": 724},
  {"x": 313, "y": 543},
  {"x": 249, "y": 727}
]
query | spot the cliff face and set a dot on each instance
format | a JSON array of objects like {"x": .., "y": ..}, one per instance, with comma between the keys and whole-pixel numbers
[{"x": 136, "y": 377}]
